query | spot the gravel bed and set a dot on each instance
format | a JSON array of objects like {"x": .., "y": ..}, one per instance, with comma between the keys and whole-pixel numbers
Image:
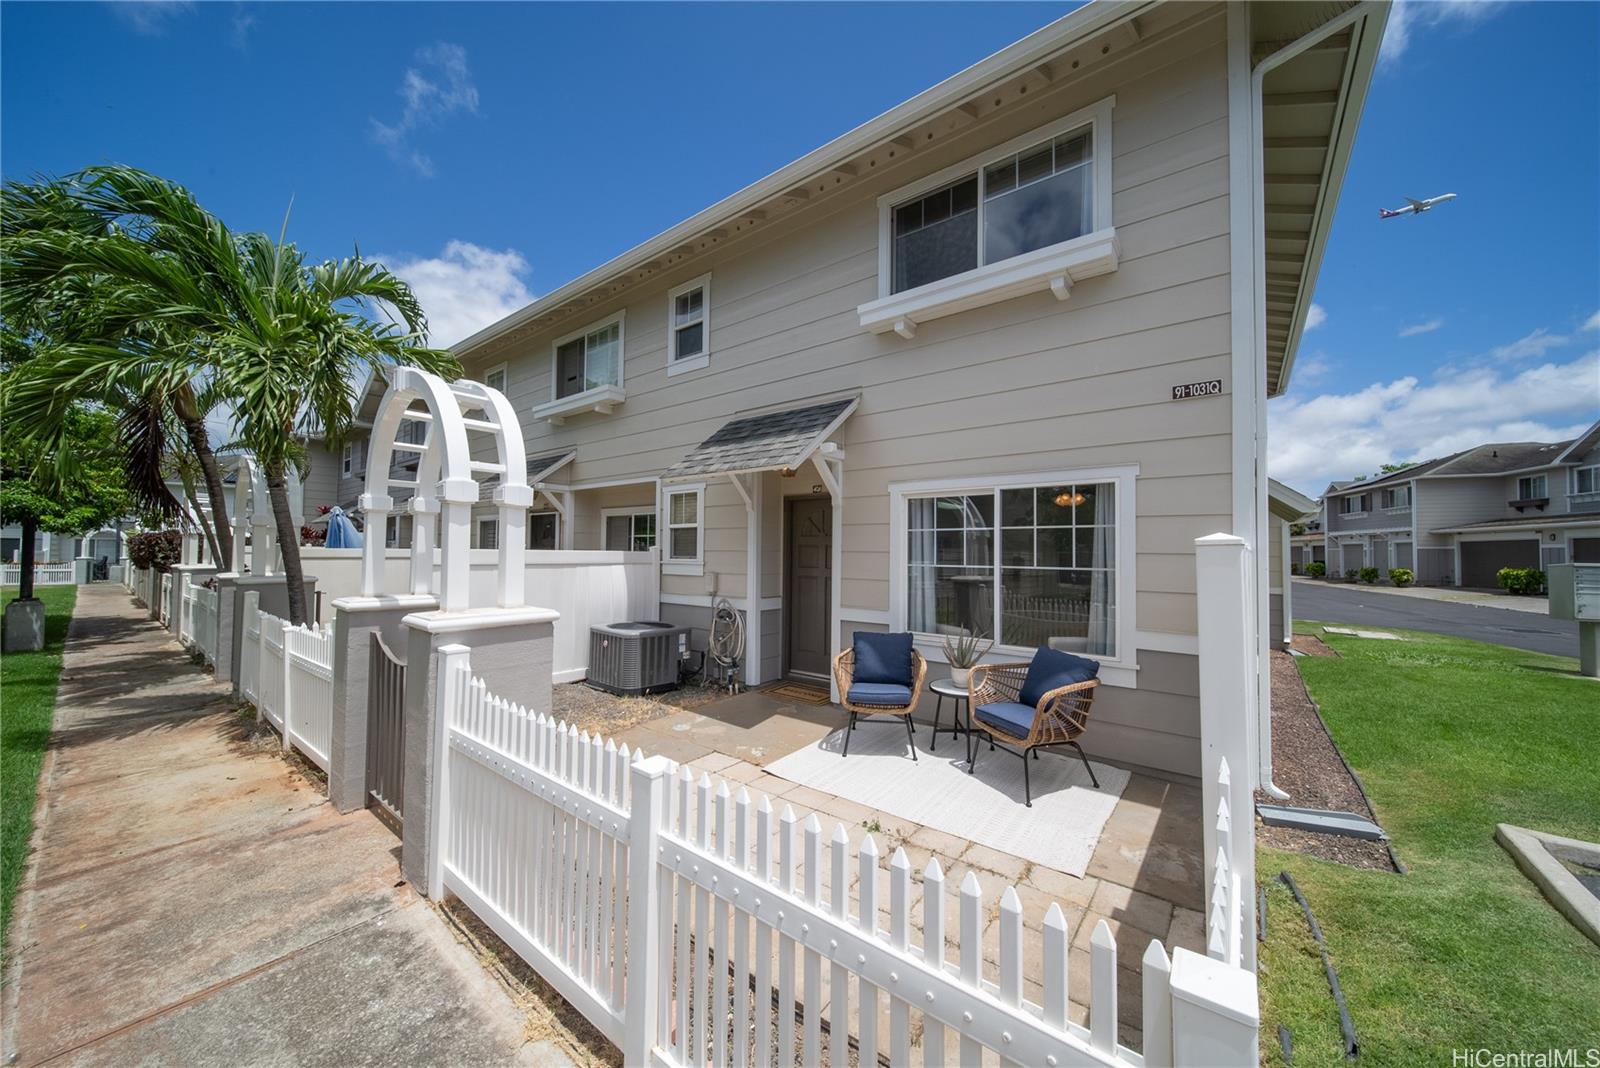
[
  {"x": 1306, "y": 763},
  {"x": 608, "y": 714},
  {"x": 1311, "y": 645}
]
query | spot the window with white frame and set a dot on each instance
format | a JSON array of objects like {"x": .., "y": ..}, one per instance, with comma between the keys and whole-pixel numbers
[
  {"x": 627, "y": 531},
  {"x": 1532, "y": 488},
  {"x": 689, "y": 325},
  {"x": 1355, "y": 504},
  {"x": 544, "y": 530},
  {"x": 495, "y": 378},
  {"x": 1396, "y": 498},
  {"x": 1038, "y": 190},
  {"x": 347, "y": 466},
  {"x": 488, "y": 534},
  {"x": 685, "y": 525},
  {"x": 1030, "y": 563},
  {"x": 589, "y": 359},
  {"x": 1586, "y": 479}
]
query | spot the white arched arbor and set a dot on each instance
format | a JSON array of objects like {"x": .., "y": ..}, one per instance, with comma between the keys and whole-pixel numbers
[
  {"x": 446, "y": 485},
  {"x": 252, "y": 511}
]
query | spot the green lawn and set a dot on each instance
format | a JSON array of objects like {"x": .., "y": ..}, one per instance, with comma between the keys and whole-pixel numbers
[
  {"x": 28, "y": 699},
  {"x": 1450, "y": 737}
]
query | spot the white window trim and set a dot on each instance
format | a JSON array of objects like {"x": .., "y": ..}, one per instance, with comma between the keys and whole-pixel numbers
[
  {"x": 529, "y": 526},
  {"x": 703, "y": 360},
  {"x": 1397, "y": 507},
  {"x": 634, "y": 512},
  {"x": 500, "y": 369},
  {"x": 1533, "y": 480},
  {"x": 682, "y": 565},
  {"x": 600, "y": 399},
  {"x": 1054, "y": 268},
  {"x": 1584, "y": 495},
  {"x": 1120, "y": 670},
  {"x": 347, "y": 464}
]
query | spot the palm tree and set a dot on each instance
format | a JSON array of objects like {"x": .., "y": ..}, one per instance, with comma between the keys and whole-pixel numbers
[{"x": 279, "y": 338}]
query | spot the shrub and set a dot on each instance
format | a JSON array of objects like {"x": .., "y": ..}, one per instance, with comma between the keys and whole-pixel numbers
[
  {"x": 1402, "y": 576},
  {"x": 1294, "y": 567},
  {"x": 1369, "y": 575},
  {"x": 159, "y": 549},
  {"x": 1316, "y": 569},
  {"x": 1350, "y": 574},
  {"x": 1522, "y": 580}
]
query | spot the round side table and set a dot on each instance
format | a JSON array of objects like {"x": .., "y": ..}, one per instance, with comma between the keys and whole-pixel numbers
[{"x": 945, "y": 688}]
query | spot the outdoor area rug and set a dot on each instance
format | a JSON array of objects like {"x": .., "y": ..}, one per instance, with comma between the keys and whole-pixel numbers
[
  {"x": 799, "y": 691},
  {"x": 1060, "y": 830}
]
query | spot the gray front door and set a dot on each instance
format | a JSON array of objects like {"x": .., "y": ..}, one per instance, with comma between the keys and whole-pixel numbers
[{"x": 808, "y": 579}]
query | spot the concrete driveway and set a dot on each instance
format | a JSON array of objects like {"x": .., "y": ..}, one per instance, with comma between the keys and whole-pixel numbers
[
  {"x": 1335, "y": 603},
  {"x": 192, "y": 899}
]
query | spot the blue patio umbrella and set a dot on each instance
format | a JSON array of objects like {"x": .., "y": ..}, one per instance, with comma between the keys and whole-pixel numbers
[{"x": 342, "y": 533}]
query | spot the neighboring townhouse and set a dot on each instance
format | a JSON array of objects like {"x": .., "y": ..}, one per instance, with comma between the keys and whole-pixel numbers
[
  {"x": 1459, "y": 519},
  {"x": 990, "y": 361},
  {"x": 1286, "y": 506}
]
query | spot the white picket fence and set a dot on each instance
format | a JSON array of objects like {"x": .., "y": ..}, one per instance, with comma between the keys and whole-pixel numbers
[
  {"x": 656, "y": 903},
  {"x": 43, "y": 575},
  {"x": 166, "y": 600},
  {"x": 200, "y": 614},
  {"x": 287, "y": 672}
]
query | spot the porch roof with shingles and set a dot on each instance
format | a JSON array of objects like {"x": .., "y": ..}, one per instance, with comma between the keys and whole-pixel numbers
[{"x": 766, "y": 441}]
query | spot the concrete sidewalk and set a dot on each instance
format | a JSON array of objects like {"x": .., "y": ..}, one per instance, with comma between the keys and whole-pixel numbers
[
  {"x": 1450, "y": 595},
  {"x": 193, "y": 900}
]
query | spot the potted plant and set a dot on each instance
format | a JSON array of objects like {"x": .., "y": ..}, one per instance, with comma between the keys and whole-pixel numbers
[{"x": 962, "y": 652}]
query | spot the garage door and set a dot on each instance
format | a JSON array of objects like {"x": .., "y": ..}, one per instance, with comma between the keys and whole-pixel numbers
[
  {"x": 1586, "y": 550},
  {"x": 1480, "y": 560}
]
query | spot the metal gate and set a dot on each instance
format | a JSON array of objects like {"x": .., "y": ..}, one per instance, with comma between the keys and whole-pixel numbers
[{"x": 386, "y": 728}]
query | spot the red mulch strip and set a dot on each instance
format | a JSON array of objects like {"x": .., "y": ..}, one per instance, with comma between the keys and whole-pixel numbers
[
  {"x": 1306, "y": 763},
  {"x": 1311, "y": 645}
]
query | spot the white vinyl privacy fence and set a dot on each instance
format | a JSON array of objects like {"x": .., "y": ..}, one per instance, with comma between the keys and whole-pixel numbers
[
  {"x": 693, "y": 925},
  {"x": 202, "y": 616},
  {"x": 287, "y": 672}
]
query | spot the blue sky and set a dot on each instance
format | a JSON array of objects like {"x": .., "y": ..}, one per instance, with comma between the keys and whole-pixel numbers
[{"x": 491, "y": 152}]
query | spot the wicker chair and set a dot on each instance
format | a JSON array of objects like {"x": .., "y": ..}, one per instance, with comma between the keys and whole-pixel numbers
[
  {"x": 1059, "y": 719},
  {"x": 843, "y": 674}
]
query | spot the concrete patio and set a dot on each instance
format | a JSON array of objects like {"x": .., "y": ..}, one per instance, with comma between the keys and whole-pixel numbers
[{"x": 1145, "y": 877}]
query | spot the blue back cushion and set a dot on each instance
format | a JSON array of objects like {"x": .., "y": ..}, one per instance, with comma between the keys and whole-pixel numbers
[
  {"x": 882, "y": 658},
  {"x": 1051, "y": 669}
]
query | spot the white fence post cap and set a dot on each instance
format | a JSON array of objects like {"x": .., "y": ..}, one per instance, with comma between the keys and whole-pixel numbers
[{"x": 1215, "y": 985}]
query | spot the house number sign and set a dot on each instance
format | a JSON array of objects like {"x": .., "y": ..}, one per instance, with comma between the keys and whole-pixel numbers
[{"x": 1212, "y": 388}]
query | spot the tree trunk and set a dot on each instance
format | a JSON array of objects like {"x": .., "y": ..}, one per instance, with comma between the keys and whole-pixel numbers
[
  {"x": 216, "y": 493},
  {"x": 30, "y": 530},
  {"x": 288, "y": 541}
]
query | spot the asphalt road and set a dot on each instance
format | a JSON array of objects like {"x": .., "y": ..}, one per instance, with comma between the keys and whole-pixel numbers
[{"x": 1502, "y": 626}]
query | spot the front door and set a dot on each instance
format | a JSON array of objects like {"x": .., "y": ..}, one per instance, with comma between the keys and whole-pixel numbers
[{"x": 808, "y": 580}]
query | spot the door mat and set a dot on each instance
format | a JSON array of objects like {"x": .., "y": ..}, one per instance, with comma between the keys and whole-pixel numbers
[{"x": 799, "y": 691}]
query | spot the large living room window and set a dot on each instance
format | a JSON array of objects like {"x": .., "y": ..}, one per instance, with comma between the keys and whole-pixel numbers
[
  {"x": 590, "y": 359},
  {"x": 1029, "y": 215},
  {"x": 1035, "y": 561}
]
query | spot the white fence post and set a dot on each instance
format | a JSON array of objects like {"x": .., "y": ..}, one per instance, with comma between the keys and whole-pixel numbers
[
  {"x": 644, "y": 915},
  {"x": 1227, "y": 702},
  {"x": 286, "y": 710},
  {"x": 452, "y": 672},
  {"x": 1216, "y": 1017}
]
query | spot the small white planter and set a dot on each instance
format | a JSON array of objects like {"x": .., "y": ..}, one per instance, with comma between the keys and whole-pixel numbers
[{"x": 959, "y": 675}]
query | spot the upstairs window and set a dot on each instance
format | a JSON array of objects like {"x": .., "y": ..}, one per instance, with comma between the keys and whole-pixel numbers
[
  {"x": 1355, "y": 504},
  {"x": 1532, "y": 487},
  {"x": 689, "y": 325},
  {"x": 1399, "y": 497},
  {"x": 590, "y": 359},
  {"x": 495, "y": 378},
  {"x": 1586, "y": 480},
  {"x": 1036, "y": 191}
]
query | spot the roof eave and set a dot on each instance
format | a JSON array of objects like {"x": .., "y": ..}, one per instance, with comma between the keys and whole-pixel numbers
[{"x": 1077, "y": 25}]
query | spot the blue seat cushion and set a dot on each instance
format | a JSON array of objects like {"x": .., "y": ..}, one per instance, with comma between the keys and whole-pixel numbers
[
  {"x": 879, "y": 694},
  {"x": 1011, "y": 717},
  {"x": 882, "y": 658},
  {"x": 1052, "y": 669}
]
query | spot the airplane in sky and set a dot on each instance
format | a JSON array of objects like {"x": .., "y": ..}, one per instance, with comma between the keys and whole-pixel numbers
[{"x": 1414, "y": 207}]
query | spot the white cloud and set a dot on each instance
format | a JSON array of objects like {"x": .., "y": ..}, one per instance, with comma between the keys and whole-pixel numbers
[
  {"x": 1407, "y": 17},
  {"x": 1533, "y": 345},
  {"x": 150, "y": 17},
  {"x": 1421, "y": 328},
  {"x": 464, "y": 289},
  {"x": 1592, "y": 323},
  {"x": 438, "y": 87},
  {"x": 244, "y": 23},
  {"x": 1339, "y": 435},
  {"x": 1315, "y": 316}
]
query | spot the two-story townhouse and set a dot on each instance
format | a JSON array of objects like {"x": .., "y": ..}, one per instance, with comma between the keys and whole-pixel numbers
[
  {"x": 1459, "y": 519},
  {"x": 991, "y": 361}
]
